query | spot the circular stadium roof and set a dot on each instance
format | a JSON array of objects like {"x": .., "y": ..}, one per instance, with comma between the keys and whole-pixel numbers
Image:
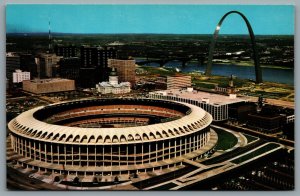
[{"x": 31, "y": 124}]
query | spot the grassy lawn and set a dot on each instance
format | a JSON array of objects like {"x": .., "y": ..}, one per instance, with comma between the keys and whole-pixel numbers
[
  {"x": 250, "y": 138},
  {"x": 221, "y": 81},
  {"x": 246, "y": 87},
  {"x": 226, "y": 140},
  {"x": 158, "y": 71}
]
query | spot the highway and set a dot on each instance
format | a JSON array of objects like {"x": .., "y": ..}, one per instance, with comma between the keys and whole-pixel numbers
[{"x": 19, "y": 181}]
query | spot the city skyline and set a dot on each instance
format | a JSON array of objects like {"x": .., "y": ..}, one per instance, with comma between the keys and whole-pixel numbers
[
  {"x": 146, "y": 97},
  {"x": 152, "y": 19}
]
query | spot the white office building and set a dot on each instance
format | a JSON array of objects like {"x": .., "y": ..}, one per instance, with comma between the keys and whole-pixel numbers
[
  {"x": 19, "y": 76},
  {"x": 215, "y": 104}
]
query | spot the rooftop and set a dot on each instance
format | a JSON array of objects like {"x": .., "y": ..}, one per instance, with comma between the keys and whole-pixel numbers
[
  {"x": 50, "y": 80},
  {"x": 216, "y": 99},
  {"x": 108, "y": 84},
  {"x": 32, "y": 120}
]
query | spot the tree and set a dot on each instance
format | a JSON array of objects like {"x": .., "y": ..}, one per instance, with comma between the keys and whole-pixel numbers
[
  {"x": 95, "y": 180},
  {"x": 56, "y": 179},
  {"x": 116, "y": 180},
  {"x": 76, "y": 180}
]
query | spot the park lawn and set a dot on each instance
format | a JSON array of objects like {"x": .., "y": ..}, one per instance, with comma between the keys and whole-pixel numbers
[{"x": 226, "y": 140}]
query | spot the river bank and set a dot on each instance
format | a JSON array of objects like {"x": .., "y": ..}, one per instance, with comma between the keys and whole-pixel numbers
[
  {"x": 245, "y": 87},
  {"x": 226, "y": 62}
]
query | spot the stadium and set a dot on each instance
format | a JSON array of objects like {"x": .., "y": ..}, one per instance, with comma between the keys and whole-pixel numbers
[{"x": 115, "y": 137}]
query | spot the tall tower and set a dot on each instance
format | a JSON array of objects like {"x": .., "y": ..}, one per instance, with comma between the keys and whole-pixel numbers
[{"x": 49, "y": 37}]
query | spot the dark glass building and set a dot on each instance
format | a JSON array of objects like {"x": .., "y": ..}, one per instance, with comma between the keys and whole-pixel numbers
[
  {"x": 12, "y": 63},
  {"x": 69, "y": 68},
  {"x": 66, "y": 51},
  {"x": 87, "y": 77},
  {"x": 95, "y": 58},
  {"x": 27, "y": 63}
]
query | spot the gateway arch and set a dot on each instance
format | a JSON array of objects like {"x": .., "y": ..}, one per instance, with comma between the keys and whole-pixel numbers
[{"x": 258, "y": 73}]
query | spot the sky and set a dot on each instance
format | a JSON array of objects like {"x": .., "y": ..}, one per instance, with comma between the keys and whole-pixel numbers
[{"x": 160, "y": 19}]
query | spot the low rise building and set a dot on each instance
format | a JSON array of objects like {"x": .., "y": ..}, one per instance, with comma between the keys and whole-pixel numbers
[
  {"x": 269, "y": 123},
  {"x": 107, "y": 88},
  {"x": 239, "y": 111},
  {"x": 271, "y": 119},
  {"x": 179, "y": 81},
  {"x": 215, "y": 104},
  {"x": 113, "y": 86},
  {"x": 41, "y": 86}
]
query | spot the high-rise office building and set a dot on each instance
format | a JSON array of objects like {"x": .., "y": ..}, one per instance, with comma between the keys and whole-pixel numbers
[
  {"x": 47, "y": 62},
  {"x": 87, "y": 77},
  {"x": 96, "y": 59},
  {"x": 66, "y": 51},
  {"x": 125, "y": 69},
  {"x": 88, "y": 56},
  {"x": 27, "y": 63},
  {"x": 12, "y": 63},
  {"x": 96, "y": 56},
  {"x": 69, "y": 68}
]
